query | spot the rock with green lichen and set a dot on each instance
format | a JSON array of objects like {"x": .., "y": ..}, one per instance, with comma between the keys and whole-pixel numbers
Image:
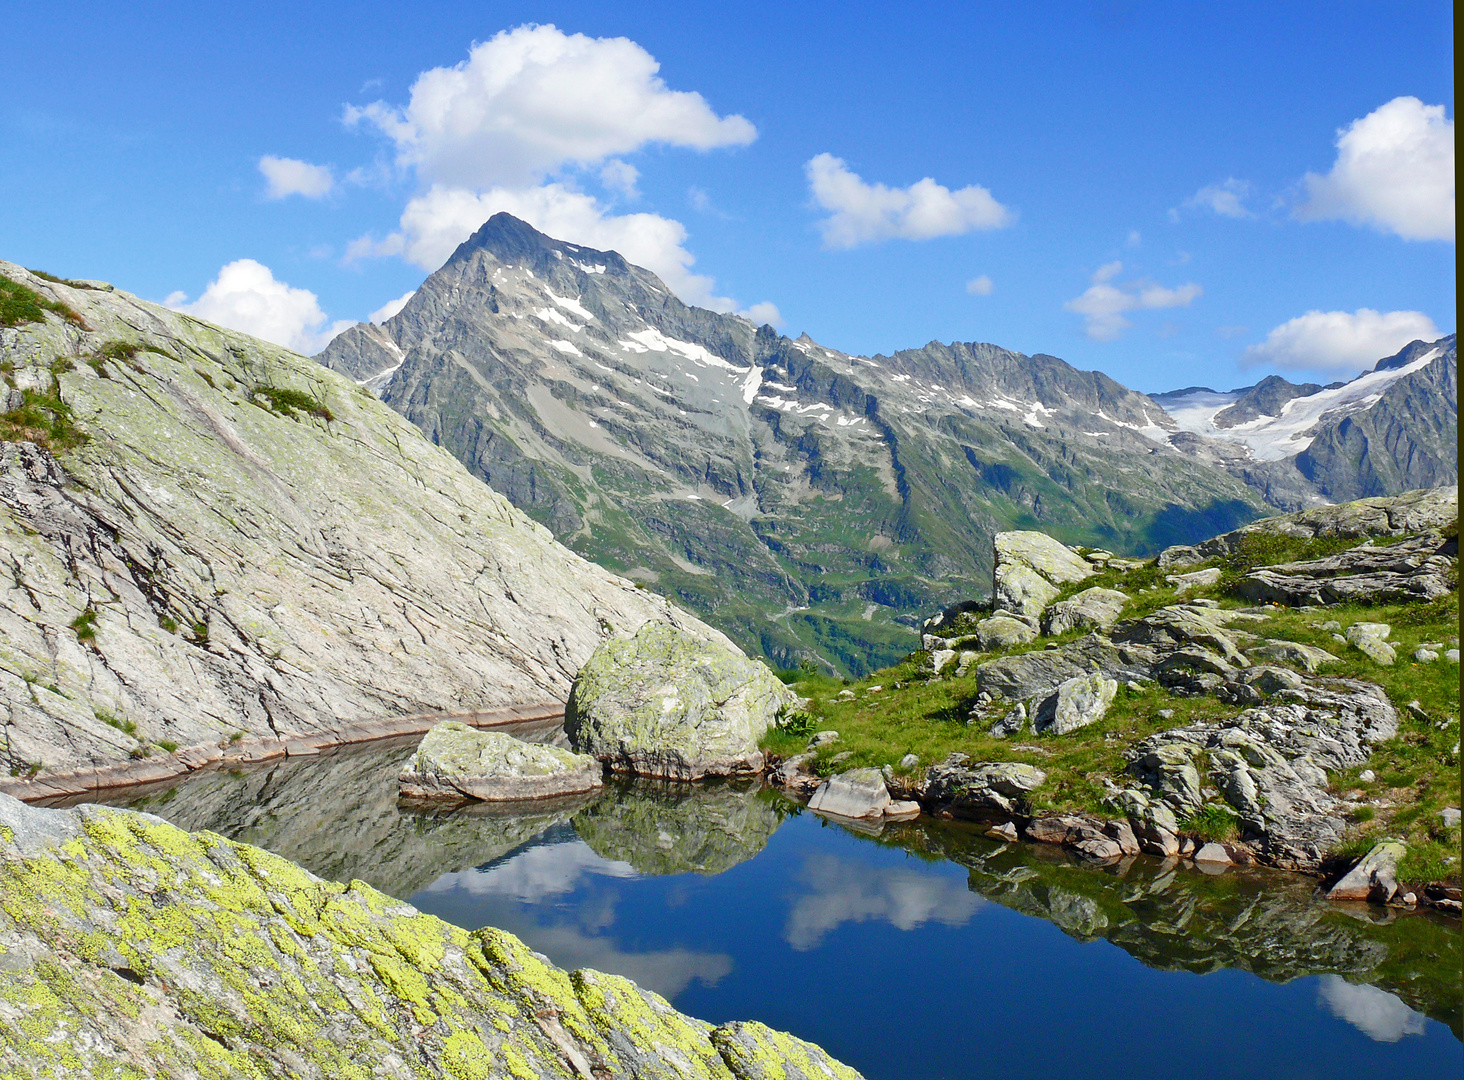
[
  {"x": 455, "y": 761},
  {"x": 249, "y": 542},
  {"x": 131, "y": 948},
  {"x": 667, "y": 704}
]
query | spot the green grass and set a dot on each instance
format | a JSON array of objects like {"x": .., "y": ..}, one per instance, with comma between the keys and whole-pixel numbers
[
  {"x": 1417, "y": 773},
  {"x": 85, "y": 625},
  {"x": 286, "y": 402},
  {"x": 44, "y": 419},
  {"x": 20, "y": 305}
]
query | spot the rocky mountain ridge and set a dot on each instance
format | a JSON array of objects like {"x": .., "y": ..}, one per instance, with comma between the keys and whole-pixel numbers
[{"x": 809, "y": 502}]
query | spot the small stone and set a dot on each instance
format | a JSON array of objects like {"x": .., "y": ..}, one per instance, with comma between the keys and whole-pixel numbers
[
  {"x": 1186, "y": 847},
  {"x": 1410, "y": 899},
  {"x": 1134, "y": 687},
  {"x": 902, "y": 810},
  {"x": 1367, "y": 776},
  {"x": 1339, "y": 639},
  {"x": 822, "y": 738},
  {"x": 1415, "y": 709},
  {"x": 1424, "y": 656},
  {"x": 1197, "y": 579},
  {"x": 841, "y": 757},
  {"x": 1213, "y": 853},
  {"x": 909, "y": 761},
  {"x": 1005, "y": 831},
  {"x": 1451, "y": 655},
  {"x": 1166, "y": 714},
  {"x": 1450, "y": 817},
  {"x": 1331, "y": 624}
]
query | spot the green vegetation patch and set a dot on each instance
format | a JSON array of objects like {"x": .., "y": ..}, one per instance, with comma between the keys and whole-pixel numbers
[
  {"x": 286, "y": 402},
  {"x": 19, "y": 304},
  {"x": 44, "y": 419}
]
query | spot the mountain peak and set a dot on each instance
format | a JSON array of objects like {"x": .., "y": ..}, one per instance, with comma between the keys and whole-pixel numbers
[{"x": 512, "y": 240}]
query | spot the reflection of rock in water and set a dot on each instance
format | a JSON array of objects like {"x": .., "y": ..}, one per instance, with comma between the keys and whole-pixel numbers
[
  {"x": 668, "y": 828},
  {"x": 337, "y": 815},
  {"x": 1269, "y": 923}
]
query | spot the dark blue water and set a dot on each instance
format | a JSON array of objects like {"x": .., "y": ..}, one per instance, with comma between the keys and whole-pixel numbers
[
  {"x": 894, "y": 966},
  {"x": 927, "y": 951}
]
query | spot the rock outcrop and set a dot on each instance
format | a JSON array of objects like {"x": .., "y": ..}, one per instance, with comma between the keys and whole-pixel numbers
[
  {"x": 1421, "y": 568},
  {"x": 455, "y": 761},
  {"x": 1029, "y": 570},
  {"x": 858, "y": 793},
  {"x": 979, "y": 789},
  {"x": 666, "y": 703},
  {"x": 132, "y": 947},
  {"x": 1095, "y": 609},
  {"x": 230, "y": 539}
]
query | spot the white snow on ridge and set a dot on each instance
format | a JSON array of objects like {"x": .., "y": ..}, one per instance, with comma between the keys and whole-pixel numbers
[
  {"x": 751, "y": 383},
  {"x": 570, "y": 304},
  {"x": 1271, "y": 438},
  {"x": 565, "y": 347},
  {"x": 549, "y": 315},
  {"x": 652, "y": 340}
]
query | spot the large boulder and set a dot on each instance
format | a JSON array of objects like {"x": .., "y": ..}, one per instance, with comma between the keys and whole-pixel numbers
[
  {"x": 1029, "y": 568},
  {"x": 1375, "y": 877},
  {"x": 1419, "y": 569},
  {"x": 858, "y": 793},
  {"x": 1036, "y": 674},
  {"x": 455, "y": 761},
  {"x": 1097, "y": 608},
  {"x": 1076, "y": 703},
  {"x": 1003, "y": 631},
  {"x": 670, "y": 705}
]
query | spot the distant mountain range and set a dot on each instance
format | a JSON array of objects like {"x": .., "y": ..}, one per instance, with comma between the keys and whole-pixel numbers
[{"x": 811, "y": 503}]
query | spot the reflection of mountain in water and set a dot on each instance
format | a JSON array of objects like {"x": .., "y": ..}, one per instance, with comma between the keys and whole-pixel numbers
[
  {"x": 1170, "y": 917},
  {"x": 661, "y": 828}
]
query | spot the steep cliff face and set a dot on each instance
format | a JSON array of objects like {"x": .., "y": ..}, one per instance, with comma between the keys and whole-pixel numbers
[
  {"x": 203, "y": 535},
  {"x": 1408, "y": 439},
  {"x": 809, "y": 502}
]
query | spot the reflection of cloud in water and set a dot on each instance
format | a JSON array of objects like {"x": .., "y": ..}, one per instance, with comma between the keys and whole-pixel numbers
[
  {"x": 534, "y": 872},
  {"x": 1376, "y": 1013},
  {"x": 667, "y": 972},
  {"x": 847, "y": 891}
]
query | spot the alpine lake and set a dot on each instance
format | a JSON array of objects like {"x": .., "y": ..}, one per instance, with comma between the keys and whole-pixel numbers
[{"x": 916, "y": 950}]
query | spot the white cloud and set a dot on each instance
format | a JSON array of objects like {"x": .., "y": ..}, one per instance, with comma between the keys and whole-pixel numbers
[
  {"x": 288, "y": 176},
  {"x": 765, "y": 312},
  {"x": 864, "y": 213},
  {"x": 1340, "y": 340},
  {"x": 436, "y": 222},
  {"x": 1103, "y": 304},
  {"x": 620, "y": 177},
  {"x": 980, "y": 286},
  {"x": 1135, "y": 238},
  {"x": 1379, "y": 1015},
  {"x": 1226, "y": 198},
  {"x": 491, "y": 133},
  {"x": 534, "y": 99},
  {"x": 698, "y": 198},
  {"x": 390, "y": 308},
  {"x": 1394, "y": 171},
  {"x": 246, "y": 297}
]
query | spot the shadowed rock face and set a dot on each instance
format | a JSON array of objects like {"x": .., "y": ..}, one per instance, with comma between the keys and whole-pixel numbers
[
  {"x": 216, "y": 559},
  {"x": 814, "y": 501},
  {"x": 202, "y": 956}
]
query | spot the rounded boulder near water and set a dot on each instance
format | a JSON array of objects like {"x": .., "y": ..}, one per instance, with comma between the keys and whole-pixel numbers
[
  {"x": 671, "y": 705},
  {"x": 455, "y": 762}
]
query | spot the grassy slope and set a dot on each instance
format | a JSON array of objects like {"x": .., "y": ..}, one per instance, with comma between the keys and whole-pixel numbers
[{"x": 1417, "y": 773}]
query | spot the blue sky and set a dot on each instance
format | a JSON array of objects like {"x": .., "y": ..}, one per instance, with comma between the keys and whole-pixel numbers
[{"x": 1170, "y": 193}]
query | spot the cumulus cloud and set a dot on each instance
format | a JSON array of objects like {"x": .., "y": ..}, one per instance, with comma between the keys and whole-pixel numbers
[
  {"x": 620, "y": 177},
  {"x": 1394, "y": 171},
  {"x": 390, "y": 308},
  {"x": 980, "y": 286},
  {"x": 289, "y": 176},
  {"x": 246, "y": 297},
  {"x": 534, "y": 99},
  {"x": 1226, "y": 198},
  {"x": 1103, "y": 304},
  {"x": 498, "y": 131},
  {"x": 437, "y": 221},
  {"x": 764, "y": 313},
  {"x": 1379, "y": 1015},
  {"x": 862, "y": 213},
  {"x": 1341, "y": 340}
]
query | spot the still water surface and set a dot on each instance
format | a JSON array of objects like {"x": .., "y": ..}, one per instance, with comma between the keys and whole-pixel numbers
[{"x": 923, "y": 951}]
